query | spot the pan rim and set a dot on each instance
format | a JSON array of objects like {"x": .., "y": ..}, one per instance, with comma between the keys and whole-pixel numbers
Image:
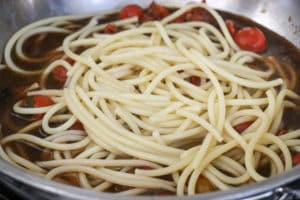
[{"x": 266, "y": 187}]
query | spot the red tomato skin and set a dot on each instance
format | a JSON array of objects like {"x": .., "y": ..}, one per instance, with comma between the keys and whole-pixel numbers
[
  {"x": 195, "y": 80},
  {"x": 195, "y": 14},
  {"x": 37, "y": 117},
  {"x": 251, "y": 39},
  {"x": 59, "y": 74},
  {"x": 296, "y": 159},
  {"x": 131, "y": 10},
  {"x": 158, "y": 11},
  {"x": 180, "y": 18},
  {"x": 110, "y": 29},
  {"x": 69, "y": 60},
  {"x": 148, "y": 18},
  {"x": 230, "y": 26},
  {"x": 40, "y": 101},
  {"x": 242, "y": 126},
  {"x": 77, "y": 126},
  {"x": 200, "y": 14}
]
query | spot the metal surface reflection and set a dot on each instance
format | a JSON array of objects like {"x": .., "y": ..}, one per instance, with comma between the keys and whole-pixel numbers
[{"x": 282, "y": 16}]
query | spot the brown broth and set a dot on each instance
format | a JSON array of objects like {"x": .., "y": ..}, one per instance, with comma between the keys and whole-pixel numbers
[{"x": 12, "y": 85}]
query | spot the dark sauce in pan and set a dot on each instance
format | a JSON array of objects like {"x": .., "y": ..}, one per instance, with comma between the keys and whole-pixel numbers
[{"x": 12, "y": 85}]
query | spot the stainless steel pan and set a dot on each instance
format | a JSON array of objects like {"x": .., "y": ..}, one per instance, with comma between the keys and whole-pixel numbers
[{"x": 281, "y": 16}]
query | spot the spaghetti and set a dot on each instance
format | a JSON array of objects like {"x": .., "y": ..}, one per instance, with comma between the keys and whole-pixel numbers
[{"x": 163, "y": 106}]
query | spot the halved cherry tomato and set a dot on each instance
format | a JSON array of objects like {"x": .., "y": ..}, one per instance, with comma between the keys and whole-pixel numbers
[
  {"x": 131, "y": 10},
  {"x": 242, "y": 126},
  {"x": 59, "y": 73},
  {"x": 296, "y": 159},
  {"x": 41, "y": 101},
  {"x": 77, "y": 126},
  {"x": 110, "y": 29},
  {"x": 195, "y": 80},
  {"x": 157, "y": 11},
  {"x": 251, "y": 39},
  {"x": 230, "y": 26}
]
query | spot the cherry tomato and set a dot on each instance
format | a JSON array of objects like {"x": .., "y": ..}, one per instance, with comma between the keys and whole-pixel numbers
[
  {"x": 77, "y": 126},
  {"x": 37, "y": 101},
  {"x": 251, "y": 39},
  {"x": 199, "y": 14},
  {"x": 41, "y": 101},
  {"x": 242, "y": 126},
  {"x": 195, "y": 80},
  {"x": 37, "y": 117},
  {"x": 59, "y": 74},
  {"x": 296, "y": 159},
  {"x": 131, "y": 10},
  {"x": 158, "y": 11},
  {"x": 148, "y": 18},
  {"x": 180, "y": 18},
  {"x": 230, "y": 26},
  {"x": 195, "y": 14},
  {"x": 69, "y": 60},
  {"x": 110, "y": 29}
]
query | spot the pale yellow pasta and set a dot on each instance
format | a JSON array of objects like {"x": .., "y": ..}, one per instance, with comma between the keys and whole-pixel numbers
[{"x": 143, "y": 118}]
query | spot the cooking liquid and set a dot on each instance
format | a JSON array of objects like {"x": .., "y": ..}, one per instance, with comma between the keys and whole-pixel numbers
[{"x": 12, "y": 87}]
